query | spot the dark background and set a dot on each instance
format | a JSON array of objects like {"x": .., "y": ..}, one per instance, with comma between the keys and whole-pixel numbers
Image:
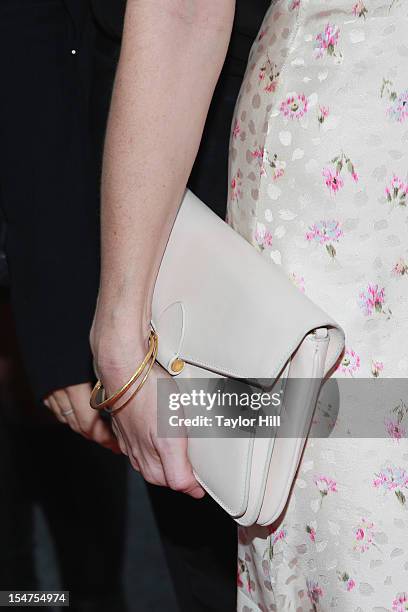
[{"x": 146, "y": 579}]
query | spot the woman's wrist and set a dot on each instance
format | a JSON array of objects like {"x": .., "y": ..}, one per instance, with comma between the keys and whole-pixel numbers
[{"x": 119, "y": 339}]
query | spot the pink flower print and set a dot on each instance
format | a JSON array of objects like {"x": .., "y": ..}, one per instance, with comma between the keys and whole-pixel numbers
[
  {"x": 236, "y": 186},
  {"x": 395, "y": 430},
  {"x": 244, "y": 580},
  {"x": 278, "y": 166},
  {"x": 394, "y": 479},
  {"x": 294, "y": 106},
  {"x": 396, "y": 192},
  {"x": 294, "y": 4},
  {"x": 269, "y": 75},
  {"x": 363, "y": 536},
  {"x": 263, "y": 236},
  {"x": 372, "y": 300},
  {"x": 350, "y": 364},
  {"x": 400, "y": 268},
  {"x": 332, "y": 176},
  {"x": 322, "y": 114},
  {"x": 314, "y": 592},
  {"x": 298, "y": 281},
  {"x": 240, "y": 571},
  {"x": 399, "y": 109},
  {"x": 261, "y": 34},
  {"x": 376, "y": 368},
  {"x": 325, "y": 233},
  {"x": 312, "y": 533},
  {"x": 278, "y": 535},
  {"x": 346, "y": 580},
  {"x": 360, "y": 9},
  {"x": 236, "y": 129},
  {"x": 400, "y": 603},
  {"x": 348, "y": 164},
  {"x": 333, "y": 180},
  {"x": 325, "y": 486},
  {"x": 258, "y": 155},
  {"x": 393, "y": 424},
  {"x": 271, "y": 86},
  {"x": 274, "y": 537},
  {"x": 326, "y": 42}
]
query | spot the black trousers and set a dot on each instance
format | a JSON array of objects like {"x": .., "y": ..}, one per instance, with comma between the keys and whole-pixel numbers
[{"x": 36, "y": 468}]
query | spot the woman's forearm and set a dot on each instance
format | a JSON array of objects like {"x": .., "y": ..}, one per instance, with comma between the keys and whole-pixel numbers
[{"x": 172, "y": 54}]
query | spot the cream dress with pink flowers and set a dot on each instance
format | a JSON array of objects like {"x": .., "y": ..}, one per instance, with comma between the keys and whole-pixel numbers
[{"x": 319, "y": 185}]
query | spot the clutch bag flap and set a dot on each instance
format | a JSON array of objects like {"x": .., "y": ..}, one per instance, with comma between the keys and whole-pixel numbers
[{"x": 219, "y": 305}]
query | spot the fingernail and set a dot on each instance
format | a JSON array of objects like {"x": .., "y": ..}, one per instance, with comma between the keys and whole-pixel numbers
[{"x": 198, "y": 493}]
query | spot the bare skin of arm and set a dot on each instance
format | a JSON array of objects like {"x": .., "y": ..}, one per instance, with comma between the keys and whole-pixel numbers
[{"x": 172, "y": 54}]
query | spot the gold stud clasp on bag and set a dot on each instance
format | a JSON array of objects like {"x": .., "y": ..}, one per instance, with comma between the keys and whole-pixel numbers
[{"x": 177, "y": 365}]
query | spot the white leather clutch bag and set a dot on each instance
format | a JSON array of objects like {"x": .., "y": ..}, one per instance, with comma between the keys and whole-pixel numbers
[{"x": 221, "y": 310}]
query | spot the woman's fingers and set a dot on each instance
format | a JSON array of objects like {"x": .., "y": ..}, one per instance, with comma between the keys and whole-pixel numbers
[
  {"x": 177, "y": 467},
  {"x": 54, "y": 408},
  {"x": 102, "y": 434},
  {"x": 71, "y": 407},
  {"x": 118, "y": 435},
  {"x": 161, "y": 461},
  {"x": 62, "y": 406},
  {"x": 90, "y": 423}
]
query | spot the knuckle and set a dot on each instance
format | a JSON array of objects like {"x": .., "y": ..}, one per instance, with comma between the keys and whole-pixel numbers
[
  {"x": 152, "y": 477},
  {"x": 122, "y": 447},
  {"x": 59, "y": 396},
  {"x": 135, "y": 452},
  {"x": 103, "y": 439},
  {"x": 64, "y": 404},
  {"x": 181, "y": 483},
  {"x": 85, "y": 432},
  {"x": 135, "y": 465},
  {"x": 83, "y": 426}
]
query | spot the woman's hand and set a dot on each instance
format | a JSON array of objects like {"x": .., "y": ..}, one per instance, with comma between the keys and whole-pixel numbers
[
  {"x": 71, "y": 406},
  {"x": 161, "y": 461}
]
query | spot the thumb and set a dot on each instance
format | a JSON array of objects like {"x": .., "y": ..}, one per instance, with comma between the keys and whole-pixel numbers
[{"x": 178, "y": 471}]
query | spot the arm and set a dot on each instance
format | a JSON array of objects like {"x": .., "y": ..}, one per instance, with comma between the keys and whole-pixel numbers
[{"x": 172, "y": 54}]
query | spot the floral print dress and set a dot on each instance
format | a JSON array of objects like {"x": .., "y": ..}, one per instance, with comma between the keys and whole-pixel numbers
[{"x": 319, "y": 185}]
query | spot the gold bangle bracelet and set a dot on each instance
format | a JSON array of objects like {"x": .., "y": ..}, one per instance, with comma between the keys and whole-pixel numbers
[
  {"x": 108, "y": 402},
  {"x": 112, "y": 411}
]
